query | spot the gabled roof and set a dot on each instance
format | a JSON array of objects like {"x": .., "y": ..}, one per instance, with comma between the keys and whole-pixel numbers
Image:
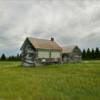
[
  {"x": 44, "y": 44},
  {"x": 69, "y": 49}
]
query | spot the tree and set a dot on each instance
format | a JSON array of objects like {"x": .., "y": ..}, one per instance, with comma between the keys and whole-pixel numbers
[
  {"x": 88, "y": 54},
  {"x": 84, "y": 54},
  {"x": 11, "y": 58},
  {"x": 3, "y": 57},
  {"x": 14, "y": 58},
  {"x": 97, "y": 53},
  {"x": 93, "y": 54},
  {"x": 18, "y": 57}
]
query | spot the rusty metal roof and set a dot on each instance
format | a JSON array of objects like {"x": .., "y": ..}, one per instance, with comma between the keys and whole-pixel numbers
[
  {"x": 68, "y": 49},
  {"x": 44, "y": 44}
]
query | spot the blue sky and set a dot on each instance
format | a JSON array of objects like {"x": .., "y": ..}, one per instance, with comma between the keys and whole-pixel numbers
[{"x": 70, "y": 22}]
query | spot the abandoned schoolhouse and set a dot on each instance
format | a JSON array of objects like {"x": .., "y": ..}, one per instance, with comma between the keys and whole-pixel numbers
[{"x": 35, "y": 52}]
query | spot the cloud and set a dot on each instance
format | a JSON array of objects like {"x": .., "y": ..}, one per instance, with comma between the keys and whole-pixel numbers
[{"x": 69, "y": 21}]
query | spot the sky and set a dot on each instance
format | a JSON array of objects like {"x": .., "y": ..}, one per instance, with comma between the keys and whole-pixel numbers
[{"x": 70, "y": 22}]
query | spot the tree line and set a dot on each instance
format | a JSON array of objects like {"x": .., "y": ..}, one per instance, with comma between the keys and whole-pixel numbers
[
  {"x": 10, "y": 58},
  {"x": 91, "y": 54}
]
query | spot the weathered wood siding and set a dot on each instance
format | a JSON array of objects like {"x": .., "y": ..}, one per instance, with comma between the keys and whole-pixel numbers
[
  {"x": 74, "y": 56},
  {"x": 48, "y": 54},
  {"x": 55, "y": 54},
  {"x": 28, "y": 54},
  {"x": 43, "y": 53}
]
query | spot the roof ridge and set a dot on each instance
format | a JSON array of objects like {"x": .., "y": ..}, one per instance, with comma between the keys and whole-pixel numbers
[
  {"x": 69, "y": 46},
  {"x": 39, "y": 39}
]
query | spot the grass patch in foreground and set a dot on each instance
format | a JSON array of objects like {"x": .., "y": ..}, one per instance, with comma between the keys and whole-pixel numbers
[{"x": 79, "y": 81}]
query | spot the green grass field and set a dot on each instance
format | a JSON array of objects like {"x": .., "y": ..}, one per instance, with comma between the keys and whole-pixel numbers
[{"x": 79, "y": 81}]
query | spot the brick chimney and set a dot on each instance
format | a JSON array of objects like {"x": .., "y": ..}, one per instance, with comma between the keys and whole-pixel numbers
[{"x": 52, "y": 39}]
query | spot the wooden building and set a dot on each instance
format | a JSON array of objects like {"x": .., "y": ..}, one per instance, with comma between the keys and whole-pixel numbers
[
  {"x": 38, "y": 51},
  {"x": 71, "y": 54}
]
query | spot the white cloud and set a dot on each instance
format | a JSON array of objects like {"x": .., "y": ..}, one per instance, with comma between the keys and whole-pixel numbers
[{"x": 69, "y": 21}]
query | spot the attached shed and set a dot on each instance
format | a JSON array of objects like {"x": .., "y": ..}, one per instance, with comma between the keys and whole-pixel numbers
[
  {"x": 38, "y": 51},
  {"x": 71, "y": 54}
]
